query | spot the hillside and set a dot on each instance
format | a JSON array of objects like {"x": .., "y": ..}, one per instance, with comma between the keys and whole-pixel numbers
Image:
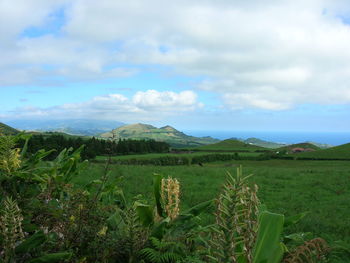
[
  {"x": 7, "y": 130},
  {"x": 167, "y": 134},
  {"x": 262, "y": 143},
  {"x": 304, "y": 145},
  {"x": 231, "y": 145},
  {"x": 340, "y": 152}
]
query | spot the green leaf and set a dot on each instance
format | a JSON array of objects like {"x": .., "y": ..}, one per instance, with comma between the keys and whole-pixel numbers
[
  {"x": 268, "y": 248},
  {"x": 299, "y": 237},
  {"x": 54, "y": 257},
  {"x": 32, "y": 242},
  {"x": 199, "y": 208},
  {"x": 157, "y": 181},
  {"x": 145, "y": 214},
  {"x": 159, "y": 229},
  {"x": 291, "y": 220},
  {"x": 116, "y": 221}
]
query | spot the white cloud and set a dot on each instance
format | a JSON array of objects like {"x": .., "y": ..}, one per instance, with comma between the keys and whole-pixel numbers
[
  {"x": 150, "y": 105},
  {"x": 262, "y": 54},
  {"x": 168, "y": 100}
]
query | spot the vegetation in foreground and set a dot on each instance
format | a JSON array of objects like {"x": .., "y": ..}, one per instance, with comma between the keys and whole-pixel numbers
[{"x": 47, "y": 218}]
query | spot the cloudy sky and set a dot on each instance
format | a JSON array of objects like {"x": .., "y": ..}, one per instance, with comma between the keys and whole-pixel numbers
[{"x": 194, "y": 64}]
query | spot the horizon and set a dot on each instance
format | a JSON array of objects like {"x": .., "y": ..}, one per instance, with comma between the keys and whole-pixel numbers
[
  {"x": 194, "y": 65},
  {"x": 281, "y": 137}
]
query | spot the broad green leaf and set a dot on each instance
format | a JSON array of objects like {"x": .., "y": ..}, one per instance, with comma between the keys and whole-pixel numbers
[
  {"x": 268, "y": 248},
  {"x": 159, "y": 229},
  {"x": 54, "y": 257},
  {"x": 145, "y": 214},
  {"x": 33, "y": 241},
  {"x": 157, "y": 181},
  {"x": 199, "y": 208},
  {"x": 291, "y": 220},
  {"x": 116, "y": 221}
]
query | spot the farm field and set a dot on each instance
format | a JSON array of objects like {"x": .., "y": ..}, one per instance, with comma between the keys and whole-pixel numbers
[
  {"x": 320, "y": 188},
  {"x": 158, "y": 155}
]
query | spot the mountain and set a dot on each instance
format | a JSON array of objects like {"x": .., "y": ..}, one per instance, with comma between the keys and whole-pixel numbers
[
  {"x": 322, "y": 145},
  {"x": 262, "y": 143},
  {"x": 231, "y": 145},
  {"x": 303, "y": 145},
  {"x": 341, "y": 152},
  {"x": 7, "y": 130},
  {"x": 167, "y": 134},
  {"x": 74, "y": 127}
]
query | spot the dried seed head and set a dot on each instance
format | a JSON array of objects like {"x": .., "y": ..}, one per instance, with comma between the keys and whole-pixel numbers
[{"x": 170, "y": 193}]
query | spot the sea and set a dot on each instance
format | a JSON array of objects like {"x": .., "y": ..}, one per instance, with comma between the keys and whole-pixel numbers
[{"x": 332, "y": 138}]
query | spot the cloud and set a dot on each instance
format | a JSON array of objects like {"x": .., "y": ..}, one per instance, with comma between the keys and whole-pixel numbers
[
  {"x": 150, "y": 105},
  {"x": 272, "y": 55},
  {"x": 168, "y": 101}
]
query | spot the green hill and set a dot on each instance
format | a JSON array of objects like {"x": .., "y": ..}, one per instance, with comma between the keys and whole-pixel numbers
[
  {"x": 262, "y": 143},
  {"x": 304, "y": 145},
  {"x": 341, "y": 152},
  {"x": 166, "y": 134},
  {"x": 7, "y": 130},
  {"x": 231, "y": 145}
]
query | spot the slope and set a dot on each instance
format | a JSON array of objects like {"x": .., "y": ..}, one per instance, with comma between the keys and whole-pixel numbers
[
  {"x": 7, "y": 130},
  {"x": 341, "y": 152},
  {"x": 231, "y": 145},
  {"x": 167, "y": 134},
  {"x": 304, "y": 145}
]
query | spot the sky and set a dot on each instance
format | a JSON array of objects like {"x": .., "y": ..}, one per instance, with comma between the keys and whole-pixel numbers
[{"x": 274, "y": 65}]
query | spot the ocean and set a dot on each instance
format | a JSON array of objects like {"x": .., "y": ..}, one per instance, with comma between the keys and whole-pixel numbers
[{"x": 332, "y": 138}]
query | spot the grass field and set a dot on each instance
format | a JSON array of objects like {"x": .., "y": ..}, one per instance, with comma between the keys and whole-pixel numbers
[
  {"x": 158, "y": 155},
  {"x": 289, "y": 187},
  {"x": 230, "y": 145},
  {"x": 337, "y": 152}
]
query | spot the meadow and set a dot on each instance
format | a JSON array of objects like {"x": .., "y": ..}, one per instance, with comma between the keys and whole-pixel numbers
[
  {"x": 320, "y": 188},
  {"x": 64, "y": 210}
]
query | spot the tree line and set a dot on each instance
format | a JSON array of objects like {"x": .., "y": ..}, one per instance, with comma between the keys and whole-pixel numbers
[{"x": 93, "y": 146}]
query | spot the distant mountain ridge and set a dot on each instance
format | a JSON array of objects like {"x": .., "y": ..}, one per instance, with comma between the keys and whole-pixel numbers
[
  {"x": 82, "y": 127},
  {"x": 167, "y": 134},
  {"x": 276, "y": 145}
]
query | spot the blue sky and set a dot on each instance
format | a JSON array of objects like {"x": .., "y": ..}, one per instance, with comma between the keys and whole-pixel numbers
[{"x": 196, "y": 65}]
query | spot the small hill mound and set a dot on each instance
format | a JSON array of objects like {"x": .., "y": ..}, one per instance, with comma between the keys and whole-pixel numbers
[
  {"x": 299, "y": 147},
  {"x": 262, "y": 143},
  {"x": 167, "y": 134},
  {"x": 7, "y": 130},
  {"x": 231, "y": 145},
  {"x": 341, "y": 152}
]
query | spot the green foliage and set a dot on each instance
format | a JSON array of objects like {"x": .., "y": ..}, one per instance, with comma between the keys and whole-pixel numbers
[
  {"x": 233, "y": 236},
  {"x": 268, "y": 248},
  {"x": 65, "y": 221},
  {"x": 7, "y": 130},
  {"x": 93, "y": 146},
  {"x": 230, "y": 145},
  {"x": 11, "y": 228},
  {"x": 163, "y": 251},
  {"x": 341, "y": 152}
]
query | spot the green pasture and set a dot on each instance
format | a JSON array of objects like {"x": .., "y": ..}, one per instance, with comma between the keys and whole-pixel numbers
[
  {"x": 230, "y": 145},
  {"x": 337, "y": 152},
  {"x": 159, "y": 155},
  {"x": 321, "y": 188}
]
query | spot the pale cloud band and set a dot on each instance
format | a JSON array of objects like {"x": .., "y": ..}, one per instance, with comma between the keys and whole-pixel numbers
[
  {"x": 268, "y": 55},
  {"x": 150, "y": 105}
]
